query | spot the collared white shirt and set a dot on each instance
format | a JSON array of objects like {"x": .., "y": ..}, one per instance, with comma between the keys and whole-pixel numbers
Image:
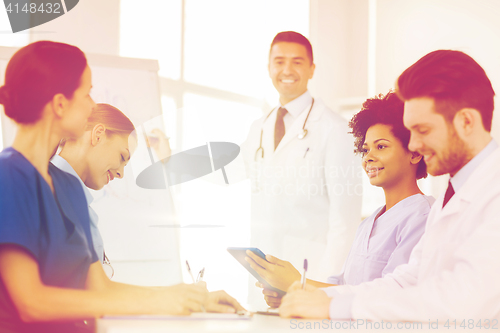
[
  {"x": 295, "y": 108},
  {"x": 62, "y": 164},
  {"x": 461, "y": 176}
]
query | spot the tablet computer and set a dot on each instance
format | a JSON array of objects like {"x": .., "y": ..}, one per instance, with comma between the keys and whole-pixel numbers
[{"x": 239, "y": 254}]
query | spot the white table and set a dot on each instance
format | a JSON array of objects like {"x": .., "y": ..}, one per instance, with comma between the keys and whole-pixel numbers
[
  {"x": 263, "y": 324},
  {"x": 257, "y": 323}
]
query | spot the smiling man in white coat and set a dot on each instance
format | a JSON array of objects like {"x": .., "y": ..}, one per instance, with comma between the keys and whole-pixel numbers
[
  {"x": 306, "y": 182},
  {"x": 452, "y": 274}
]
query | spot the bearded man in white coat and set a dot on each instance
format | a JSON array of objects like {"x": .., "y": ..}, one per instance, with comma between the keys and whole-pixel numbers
[
  {"x": 306, "y": 182},
  {"x": 452, "y": 274}
]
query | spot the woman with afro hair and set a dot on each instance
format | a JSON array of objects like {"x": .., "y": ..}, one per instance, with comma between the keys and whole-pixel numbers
[{"x": 385, "y": 239}]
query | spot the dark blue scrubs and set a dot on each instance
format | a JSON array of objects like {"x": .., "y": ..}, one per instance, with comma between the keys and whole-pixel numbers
[{"x": 53, "y": 229}]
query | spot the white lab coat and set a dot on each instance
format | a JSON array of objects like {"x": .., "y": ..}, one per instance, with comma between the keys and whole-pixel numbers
[
  {"x": 453, "y": 271},
  {"x": 306, "y": 195}
]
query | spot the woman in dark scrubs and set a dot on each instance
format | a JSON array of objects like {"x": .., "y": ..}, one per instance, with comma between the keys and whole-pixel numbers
[{"x": 50, "y": 277}]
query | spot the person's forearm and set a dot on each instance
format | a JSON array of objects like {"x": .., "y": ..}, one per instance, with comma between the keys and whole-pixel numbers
[
  {"x": 51, "y": 303},
  {"x": 36, "y": 301},
  {"x": 318, "y": 284},
  {"x": 125, "y": 286}
]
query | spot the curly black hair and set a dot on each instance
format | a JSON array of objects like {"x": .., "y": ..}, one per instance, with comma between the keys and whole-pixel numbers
[{"x": 386, "y": 110}]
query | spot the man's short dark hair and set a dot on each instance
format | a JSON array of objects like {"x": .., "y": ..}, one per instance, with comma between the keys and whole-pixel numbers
[
  {"x": 385, "y": 110},
  {"x": 453, "y": 80},
  {"x": 293, "y": 37}
]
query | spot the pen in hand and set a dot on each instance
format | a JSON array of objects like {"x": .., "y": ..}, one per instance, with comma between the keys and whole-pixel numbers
[
  {"x": 304, "y": 275},
  {"x": 200, "y": 278},
  {"x": 189, "y": 271}
]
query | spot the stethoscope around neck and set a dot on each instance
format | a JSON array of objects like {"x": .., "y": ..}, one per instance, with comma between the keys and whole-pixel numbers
[{"x": 300, "y": 136}]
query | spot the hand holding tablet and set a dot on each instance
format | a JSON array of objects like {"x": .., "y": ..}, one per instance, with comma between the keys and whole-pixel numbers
[{"x": 240, "y": 253}]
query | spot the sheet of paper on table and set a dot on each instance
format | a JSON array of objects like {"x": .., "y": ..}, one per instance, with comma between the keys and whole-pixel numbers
[{"x": 193, "y": 316}]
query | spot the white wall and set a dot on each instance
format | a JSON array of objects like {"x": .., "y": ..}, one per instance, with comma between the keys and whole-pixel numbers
[
  {"x": 339, "y": 35},
  {"x": 407, "y": 30},
  {"x": 93, "y": 26}
]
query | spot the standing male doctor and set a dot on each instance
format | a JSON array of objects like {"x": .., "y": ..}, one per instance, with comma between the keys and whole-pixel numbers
[{"x": 306, "y": 185}]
